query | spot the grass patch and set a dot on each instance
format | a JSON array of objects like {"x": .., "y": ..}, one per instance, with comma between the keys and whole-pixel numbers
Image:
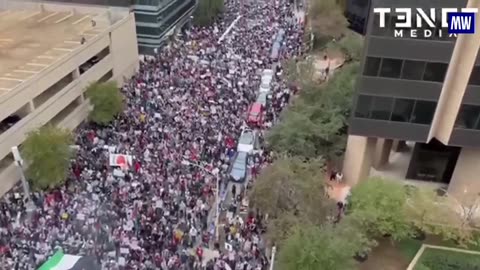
[
  {"x": 409, "y": 247},
  {"x": 439, "y": 259}
]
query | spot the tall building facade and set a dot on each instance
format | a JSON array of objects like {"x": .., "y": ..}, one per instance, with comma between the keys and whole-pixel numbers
[
  {"x": 156, "y": 18},
  {"x": 417, "y": 102}
]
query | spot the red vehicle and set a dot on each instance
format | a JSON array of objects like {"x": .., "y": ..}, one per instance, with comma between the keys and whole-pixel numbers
[{"x": 255, "y": 116}]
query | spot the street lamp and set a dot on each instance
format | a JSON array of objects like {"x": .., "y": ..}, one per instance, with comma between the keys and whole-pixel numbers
[
  {"x": 217, "y": 194},
  {"x": 26, "y": 187},
  {"x": 272, "y": 260}
]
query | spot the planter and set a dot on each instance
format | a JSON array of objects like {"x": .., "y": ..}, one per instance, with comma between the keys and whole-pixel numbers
[
  {"x": 361, "y": 257},
  {"x": 420, "y": 236}
]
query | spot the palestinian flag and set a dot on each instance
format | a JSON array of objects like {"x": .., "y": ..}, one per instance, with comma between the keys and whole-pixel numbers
[{"x": 60, "y": 261}]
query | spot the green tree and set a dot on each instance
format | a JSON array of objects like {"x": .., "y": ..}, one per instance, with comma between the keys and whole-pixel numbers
[
  {"x": 379, "y": 206},
  {"x": 316, "y": 123},
  {"x": 326, "y": 247},
  {"x": 291, "y": 191},
  {"x": 207, "y": 11},
  {"x": 47, "y": 155},
  {"x": 327, "y": 21},
  {"x": 444, "y": 215},
  {"x": 107, "y": 101},
  {"x": 351, "y": 45}
]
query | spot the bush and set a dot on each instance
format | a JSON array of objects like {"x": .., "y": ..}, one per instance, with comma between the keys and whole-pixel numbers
[{"x": 437, "y": 259}]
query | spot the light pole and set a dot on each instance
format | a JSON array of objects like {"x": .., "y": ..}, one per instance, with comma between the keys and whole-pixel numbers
[
  {"x": 272, "y": 259},
  {"x": 26, "y": 187},
  {"x": 217, "y": 194}
]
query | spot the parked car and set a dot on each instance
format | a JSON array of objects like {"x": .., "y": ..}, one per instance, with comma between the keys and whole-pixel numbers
[
  {"x": 275, "y": 51},
  {"x": 280, "y": 35},
  {"x": 255, "y": 117},
  {"x": 267, "y": 72},
  {"x": 264, "y": 88},
  {"x": 247, "y": 140},
  {"x": 267, "y": 75},
  {"x": 238, "y": 169},
  {"x": 262, "y": 98}
]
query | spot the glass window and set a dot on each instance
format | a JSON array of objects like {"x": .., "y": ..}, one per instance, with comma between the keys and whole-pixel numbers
[
  {"x": 423, "y": 112},
  {"x": 391, "y": 68},
  {"x": 413, "y": 70},
  {"x": 362, "y": 109},
  {"x": 467, "y": 116},
  {"x": 475, "y": 76},
  {"x": 371, "y": 66},
  {"x": 402, "y": 110},
  {"x": 435, "y": 72},
  {"x": 381, "y": 108}
]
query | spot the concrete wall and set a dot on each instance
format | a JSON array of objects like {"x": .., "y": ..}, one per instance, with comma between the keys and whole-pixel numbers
[
  {"x": 465, "y": 178},
  {"x": 122, "y": 61},
  {"x": 358, "y": 158},
  {"x": 124, "y": 49}
]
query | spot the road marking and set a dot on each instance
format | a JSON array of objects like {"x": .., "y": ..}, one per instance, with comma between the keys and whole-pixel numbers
[
  {"x": 6, "y": 40},
  {"x": 71, "y": 42},
  {"x": 63, "y": 49},
  {"x": 11, "y": 79},
  {"x": 87, "y": 34},
  {"x": 46, "y": 57},
  {"x": 37, "y": 65},
  {"x": 48, "y": 16},
  {"x": 5, "y": 89},
  {"x": 25, "y": 71},
  {"x": 82, "y": 19},
  {"x": 31, "y": 15},
  {"x": 64, "y": 18}
]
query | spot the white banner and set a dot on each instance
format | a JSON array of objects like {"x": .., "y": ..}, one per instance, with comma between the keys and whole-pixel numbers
[{"x": 120, "y": 160}]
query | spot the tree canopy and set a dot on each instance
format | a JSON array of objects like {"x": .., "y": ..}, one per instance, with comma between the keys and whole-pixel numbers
[
  {"x": 444, "y": 215},
  {"x": 207, "y": 11},
  {"x": 327, "y": 20},
  {"x": 47, "y": 155},
  {"x": 351, "y": 46},
  {"x": 107, "y": 101},
  {"x": 291, "y": 191},
  {"x": 378, "y": 205},
  {"x": 326, "y": 247},
  {"x": 315, "y": 124}
]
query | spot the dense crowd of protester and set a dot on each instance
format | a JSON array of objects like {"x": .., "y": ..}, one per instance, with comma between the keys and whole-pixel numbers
[{"x": 185, "y": 109}]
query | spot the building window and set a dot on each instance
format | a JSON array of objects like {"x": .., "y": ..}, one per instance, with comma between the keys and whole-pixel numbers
[
  {"x": 468, "y": 116},
  {"x": 413, "y": 70},
  {"x": 381, "y": 108},
  {"x": 423, "y": 112},
  {"x": 475, "y": 76},
  {"x": 402, "y": 110},
  {"x": 391, "y": 68},
  {"x": 362, "y": 109},
  {"x": 372, "y": 66},
  {"x": 435, "y": 72}
]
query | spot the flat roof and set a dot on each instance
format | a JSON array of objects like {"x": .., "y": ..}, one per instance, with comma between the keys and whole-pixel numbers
[{"x": 32, "y": 40}]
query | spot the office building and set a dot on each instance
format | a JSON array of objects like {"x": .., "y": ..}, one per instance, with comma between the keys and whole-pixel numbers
[
  {"x": 157, "y": 19},
  {"x": 49, "y": 54},
  {"x": 416, "y": 112},
  {"x": 356, "y": 12}
]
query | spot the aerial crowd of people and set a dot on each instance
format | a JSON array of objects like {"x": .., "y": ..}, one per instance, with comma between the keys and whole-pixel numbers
[{"x": 184, "y": 111}]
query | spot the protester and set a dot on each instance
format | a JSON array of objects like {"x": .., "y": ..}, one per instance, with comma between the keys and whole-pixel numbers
[{"x": 184, "y": 112}]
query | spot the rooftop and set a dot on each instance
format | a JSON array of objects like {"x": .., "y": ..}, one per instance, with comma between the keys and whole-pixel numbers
[{"x": 32, "y": 40}]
